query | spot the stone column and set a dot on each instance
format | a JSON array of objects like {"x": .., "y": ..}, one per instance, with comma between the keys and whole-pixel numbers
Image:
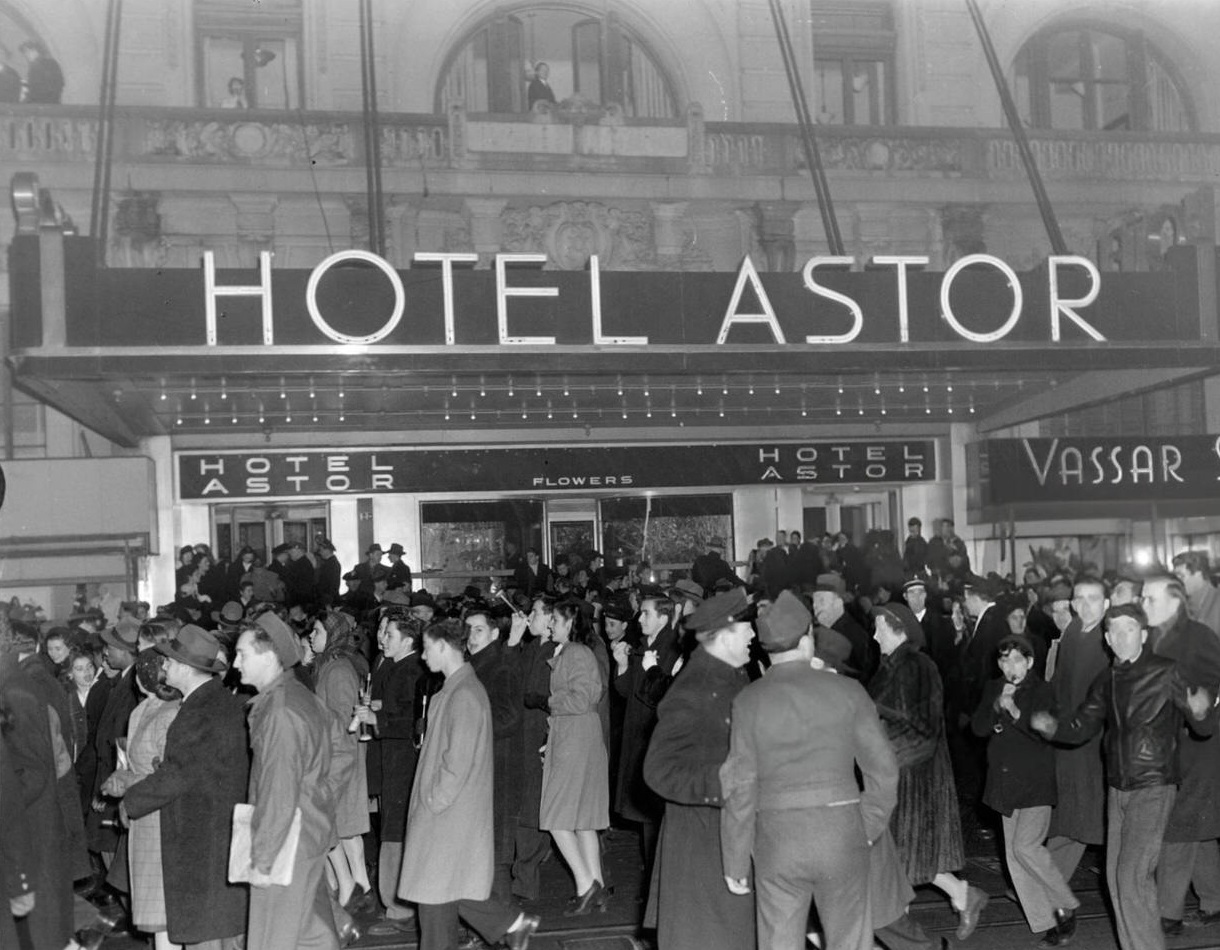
[
  {"x": 486, "y": 228},
  {"x": 777, "y": 233}
]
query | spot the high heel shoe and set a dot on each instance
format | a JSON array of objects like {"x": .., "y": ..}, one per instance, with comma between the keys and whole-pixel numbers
[
  {"x": 587, "y": 901},
  {"x": 603, "y": 897}
]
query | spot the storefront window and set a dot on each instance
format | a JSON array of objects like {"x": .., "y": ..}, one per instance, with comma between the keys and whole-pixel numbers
[
  {"x": 668, "y": 531},
  {"x": 463, "y": 542}
]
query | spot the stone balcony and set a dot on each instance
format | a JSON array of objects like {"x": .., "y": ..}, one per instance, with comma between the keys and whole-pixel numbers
[{"x": 588, "y": 141}]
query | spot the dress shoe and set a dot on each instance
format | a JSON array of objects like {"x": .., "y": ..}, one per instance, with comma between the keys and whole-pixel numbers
[
  {"x": 1197, "y": 918},
  {"x": 519, "y": 939},
  {"x": 362, "y": 901},
  {"x": 1065, "y": 925},
  {"x": 595, "y": 897},
  {"x": 976, "y": 900},
  {"x": 1049, "y": 939},
  {"x": 392, "y": 926},
  {"x": 349, "y": 933},
  {"x": 472, "y": 942},
  {"x": 1172, "y": 927}
]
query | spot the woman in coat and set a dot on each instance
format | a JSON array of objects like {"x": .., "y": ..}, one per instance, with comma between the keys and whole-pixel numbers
[
  {"x": 926, "y": 823},
  {"x": 447, "y": 863},
  {"x": 575, "y": 770},
  {"x": 341, "y": 673},
  {"x": 146, "y": 731},
  {"x": 87, "y": 692}
]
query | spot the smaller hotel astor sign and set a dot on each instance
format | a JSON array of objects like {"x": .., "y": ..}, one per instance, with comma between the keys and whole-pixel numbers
[{"x": 225, "y": 476}]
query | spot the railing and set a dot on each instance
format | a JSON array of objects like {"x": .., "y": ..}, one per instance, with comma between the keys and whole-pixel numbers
[{"x": 36, "y": 135}]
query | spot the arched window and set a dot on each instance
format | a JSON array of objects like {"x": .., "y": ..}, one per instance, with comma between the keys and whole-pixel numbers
[
  {"x": 590, "y": 55},
  {"x": 1087, "y": 78}
]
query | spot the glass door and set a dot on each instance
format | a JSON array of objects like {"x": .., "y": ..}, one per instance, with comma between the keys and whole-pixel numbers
[
  {"x": 572, "y": 531},
  {"x": 262, "y": 527}
]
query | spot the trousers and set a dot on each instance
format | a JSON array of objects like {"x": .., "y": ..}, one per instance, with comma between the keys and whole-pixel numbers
[
  {"x": 1182, "y": 864},
  {"x": 1134, "y": 831},
  {"x": 817, "y": 855},
  {"x": 1040, "y": 887},
  {"x": 438, "y": 923}
]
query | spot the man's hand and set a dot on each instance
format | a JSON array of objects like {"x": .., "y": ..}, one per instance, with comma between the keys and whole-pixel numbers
[
  {"x": 1006, "y": 700},
  {"x": 516, "y": 630},
  {"x": 123, "y": 816},
  {"x": 621, "y": 654},
  {"x": 98, "y": 804},
  {"x": 21, "y": 906},
  {"x": 1044, "y": 723},
  {"x": 1199, "y": 701},
  {"x": 738, "y": 885},
  {"x": 649, "y": 659}
]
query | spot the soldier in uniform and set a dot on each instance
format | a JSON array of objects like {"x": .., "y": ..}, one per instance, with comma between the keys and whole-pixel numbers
[{"x": 791, "y": 801}]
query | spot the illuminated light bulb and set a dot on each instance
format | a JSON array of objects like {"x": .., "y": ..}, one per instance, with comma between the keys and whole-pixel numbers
[
  {"x": 312, "y": 392},
  {"x": 164, "y": 396},
  {"x": 287, "y": 411},
  {"x": 699, "y": 385},
  {"x": 724, "y": 386},
  {"x": 315, "y": 417},
  {"x": 575, "y": 414},
  {"x": 550, "y": 414},
  {"x": 949, "y": 388},
  {"x": 524, "y": 412},
  {"x": 234, "y": 419},
  {"x": 619, "y": 380},
  {"x": 193, "y": 394},
  {"x": 342, "y": 416},
  {"x": 751, "y": 389},
  {"x": 224, "y": 388},
  {"x": 646, "y": 393},
  {"x": 283, "y": 389},
  {"x": 510, "y": 387},
  {"x": 482, "y": 387},
  {"x": 971, "y": 405},
  {"x": 453, "y": 386},
  {"x": 207, "y": 417},
  {"x": 537, "y": 385},
  {"x": 721, "y": 410},
  {"x": 565, "y": 386}
]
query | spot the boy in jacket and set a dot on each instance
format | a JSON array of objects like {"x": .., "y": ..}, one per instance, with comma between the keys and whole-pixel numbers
[
  {"x": 1021, "y": 787},
  {"x": 1141, "y": 701}
]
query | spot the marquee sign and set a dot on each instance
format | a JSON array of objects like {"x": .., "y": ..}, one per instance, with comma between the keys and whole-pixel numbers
[
  {"x": 1016, "y": 471},
  {"x": 226, "y": 476},
  {"x": 354, "y": 298}
]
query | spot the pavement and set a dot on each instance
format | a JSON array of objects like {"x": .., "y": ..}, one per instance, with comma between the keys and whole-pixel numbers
[{"x": 1001, "y": 927}]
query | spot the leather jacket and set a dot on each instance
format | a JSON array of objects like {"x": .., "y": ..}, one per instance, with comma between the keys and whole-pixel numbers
[{"x": 1141, "y": 704}]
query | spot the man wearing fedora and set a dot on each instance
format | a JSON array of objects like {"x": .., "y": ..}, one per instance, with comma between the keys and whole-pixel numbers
[
  {"x": 203, "y": 774},
  {"x": 327, "y": 574},
  {"x": 829, "y": 595},
  {"x": 688, "y": 902},
  {"x": 291, "y": 739},
  {"x": 121, "y": 646},
  {"x": 363, "y": 571},
  {"x": 400, "y": 571},
  {"x": 711, "y": 566},
  {"x": 791, "y": 803}
]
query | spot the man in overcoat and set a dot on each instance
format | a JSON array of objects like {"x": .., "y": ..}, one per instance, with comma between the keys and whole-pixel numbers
[
  {"x": 792, "y": 806},
  {"x": 122, "y": 645},
  {"x": 202, "y": 775},
  {"x": 392, "y": 756},
  {"x": 688, "y": 902},
  {"x": 1189, "y": 853},
  {"x": 448, "y": 856},
  {"x": 1078, "y": 657},
  {"x": 25, "y": 732},
  {"x": 290, "y": 735},
  {"x": 499, "y": 674},
  {"x": 327, "y": 574},
  {"x": 531, "y": 653},
  {"x": 642, "y": 676}
]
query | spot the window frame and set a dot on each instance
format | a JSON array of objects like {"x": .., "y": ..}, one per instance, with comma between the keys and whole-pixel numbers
[
  {"x": 250, "y": 25},
  {"x": 850, "y": 44},
  {"x": 615, "y": 37},
  {"x": 1140, "y": 52}
]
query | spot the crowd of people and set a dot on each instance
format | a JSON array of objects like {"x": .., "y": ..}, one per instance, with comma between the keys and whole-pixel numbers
[{"x": 266, "y": 756}]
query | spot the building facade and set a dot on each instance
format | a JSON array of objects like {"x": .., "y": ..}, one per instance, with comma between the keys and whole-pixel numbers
[{"x": 600, "y": 311}]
